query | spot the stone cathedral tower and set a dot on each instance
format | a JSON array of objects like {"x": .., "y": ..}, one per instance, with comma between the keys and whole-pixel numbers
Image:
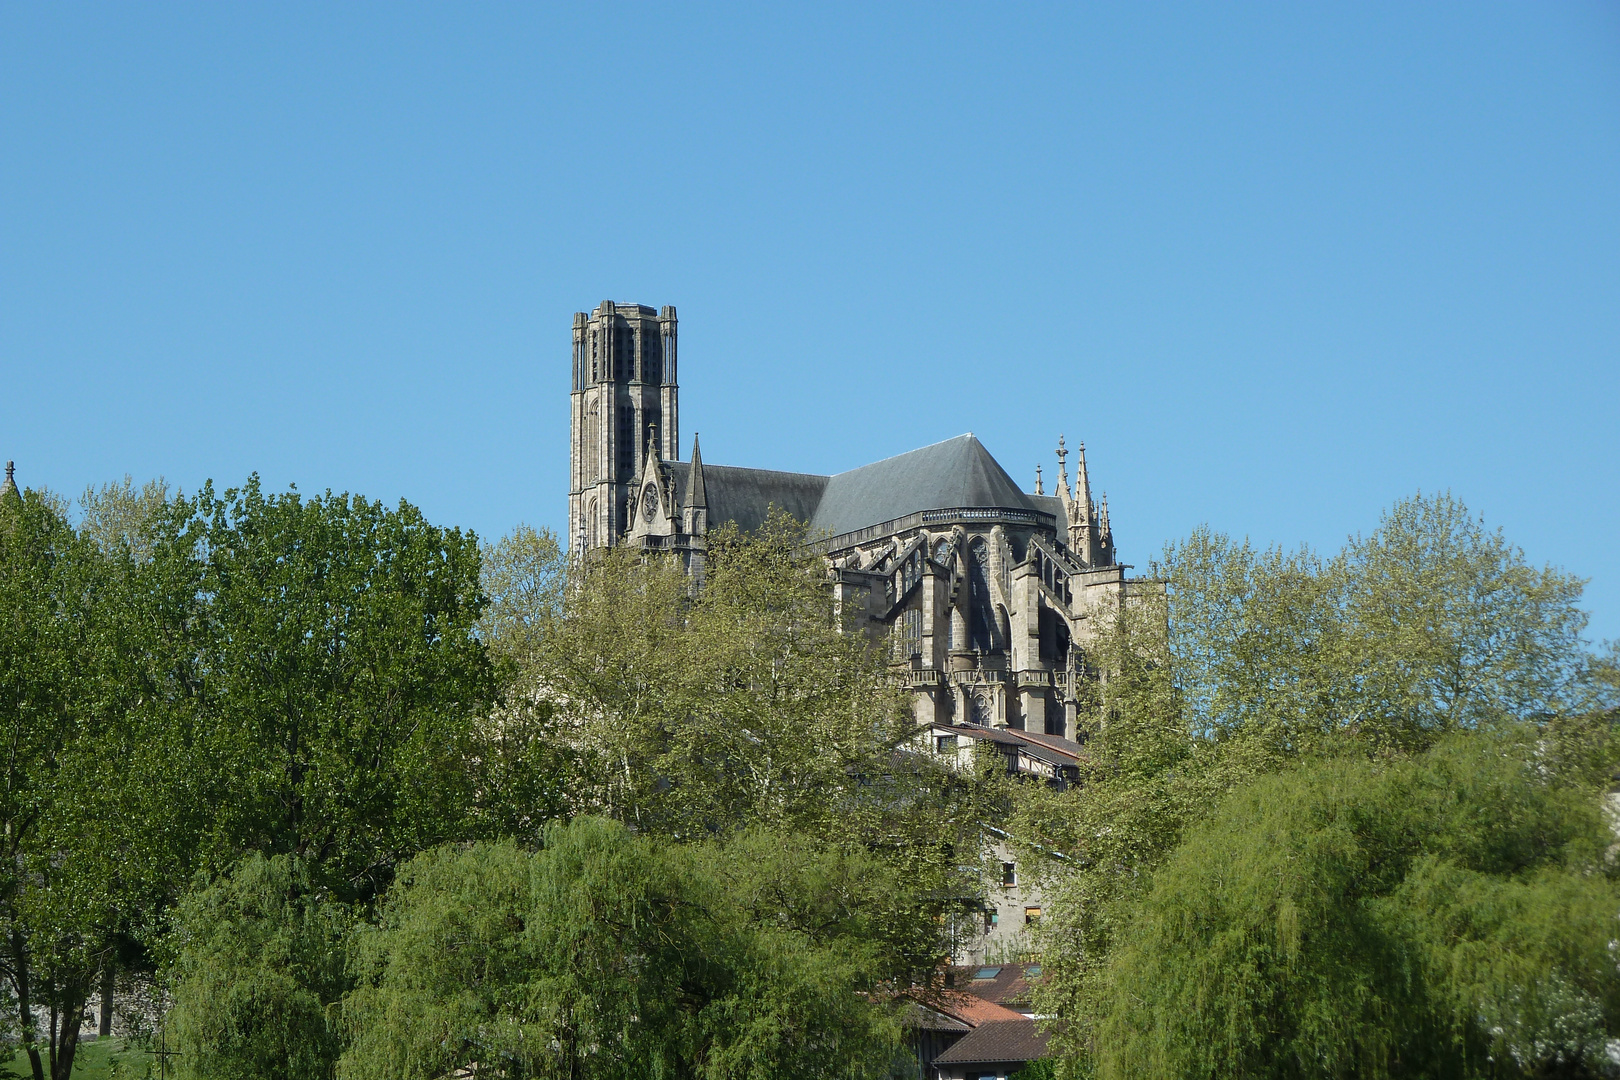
[
  {"x": 625, "y": 406},
  {"x": 988, "y": 596}
]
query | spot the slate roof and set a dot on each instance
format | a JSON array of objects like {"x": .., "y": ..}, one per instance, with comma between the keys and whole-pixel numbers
[
  {"x": 953, "y": 473},
  {"x": 922, "y": 1018},
  {"x": 746, "y": 495},
  {"x": 1053, "y": 749},
  {"x": 956, "y": 472},
  {"x": 1048, "y": 504},
  {"x": 996, "y": 1041}
]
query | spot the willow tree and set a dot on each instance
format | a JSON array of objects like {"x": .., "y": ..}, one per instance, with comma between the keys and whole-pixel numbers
[{"x": 1256, "y": 660}]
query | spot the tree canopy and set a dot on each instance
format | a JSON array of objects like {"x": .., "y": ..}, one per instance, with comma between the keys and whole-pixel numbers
[
  {"x": 605, "y": 955},
  {"x": 1256, "y": 661},
  {"x": 1449, "y": 915}
]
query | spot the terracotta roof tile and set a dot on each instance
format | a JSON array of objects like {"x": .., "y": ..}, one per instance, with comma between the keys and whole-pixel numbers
[{"x": 968, "y": 1008}]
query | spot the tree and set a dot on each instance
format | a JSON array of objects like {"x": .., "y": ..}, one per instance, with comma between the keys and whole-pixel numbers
[
  {"x": 259, "y": 961},
  {"x": 337, "y": 674},
  {"x": 608, "y": 955},
  {"x": 336, "y": 696},
  {"x": 524, "y": 575},
  {"x": 525, "y": 765},
  {"x": 1257, "y": 660},
  {"x": 121, "y": 517},
  {"x": 1449, "y": 915},
  {"x": 87, "y": 840},
  {"x": 748, "y": 705}
]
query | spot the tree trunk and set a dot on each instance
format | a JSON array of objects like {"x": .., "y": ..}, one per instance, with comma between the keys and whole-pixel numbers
[
  {"x": 104, "y": 1029},
  {"x": 25, "y": 1005},
  {"x": 67, "y": 1040},
  {"x": 65, "y": 1036}
]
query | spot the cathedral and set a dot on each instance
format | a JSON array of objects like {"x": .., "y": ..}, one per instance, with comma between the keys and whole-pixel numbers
[{"x": 986, "y": 593}]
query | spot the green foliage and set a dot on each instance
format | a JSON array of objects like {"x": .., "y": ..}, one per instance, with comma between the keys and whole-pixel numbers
[
  {"x": 524, "y": 576},
  {"x": 260, "y": 960},
  {"x": 1448, "y": 915},
  {"x": 607, "y": 955},
  {"x": 332, "y": 711},
  {"x": 1256, "y": 660},
  {"x": 334, "y": 670},
  {"x": 119, "y": 517},
  {"x": 525, "y": 770},
  {"x": 86, "y": 847},
  {"x": 745, "y": 706}
]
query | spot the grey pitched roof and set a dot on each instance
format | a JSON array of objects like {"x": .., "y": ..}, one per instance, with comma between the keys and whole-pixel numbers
[
  {"x": 956, "y": 472},
  {"x": 746, "y": 495},
  {"x": 996, "y": 1041},
  {"x": 1048, "y": 504},
  {"x": 923, "y": 1018}
]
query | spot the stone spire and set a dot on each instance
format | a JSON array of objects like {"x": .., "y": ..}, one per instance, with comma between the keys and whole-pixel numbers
[
  {"x": 696, "y": 512},
  {"x": 1063, "y": 475},
  {"x": 1083, "y": 533},
  {"x": 1039, "y": 490},
  {"x": 10, "y": 486},
  {"x": 1082, "y": 484}
]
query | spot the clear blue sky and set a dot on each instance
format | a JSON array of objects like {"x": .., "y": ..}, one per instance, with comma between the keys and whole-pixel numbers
[{"x": 1277, "y": 266}]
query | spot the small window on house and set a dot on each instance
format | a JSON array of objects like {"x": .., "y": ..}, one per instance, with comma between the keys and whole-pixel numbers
[
  {"x": 944, "y": 744},
  {"x": 1009, "y": 874},
  {"x": 1032, "y": 916},
  {"x": 992, "y": 919},
  {"x": 986, "y": 973}
]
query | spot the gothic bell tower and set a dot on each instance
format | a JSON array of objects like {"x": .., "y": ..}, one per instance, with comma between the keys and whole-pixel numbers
[{"x": 625, "y": 401}]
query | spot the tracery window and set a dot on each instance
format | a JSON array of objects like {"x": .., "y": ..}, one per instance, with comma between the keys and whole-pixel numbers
[
  {"x": 908, "y": 634},
  {"x": 979, "y": 611}
]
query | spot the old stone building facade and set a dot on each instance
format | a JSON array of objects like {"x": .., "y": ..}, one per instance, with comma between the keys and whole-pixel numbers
[{"x": 985, "y": 592}]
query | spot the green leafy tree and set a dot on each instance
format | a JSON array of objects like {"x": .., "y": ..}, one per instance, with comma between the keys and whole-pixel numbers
[
  {"x": 747, "y": 705},
  {"x": 260, "y": 961},
  {"x": 120, "y": 517},
  {"x": 1449, "y": 915},
  {"x": 88, "y": 837},
  {"x": 526, "y": 766},
  {"x": 335, "y": 694},
  {"x": 1255, "y": 660},
  {"x": 607, "y": 955},
  {"x": 337, "y": 671}
]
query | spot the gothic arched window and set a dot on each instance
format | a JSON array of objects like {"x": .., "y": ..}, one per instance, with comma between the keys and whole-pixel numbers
[{"x": 979, "y": 613}]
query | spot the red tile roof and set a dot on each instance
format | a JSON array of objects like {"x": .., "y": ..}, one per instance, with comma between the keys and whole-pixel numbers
[
  {"x": 1011, "y": 983},
  {"x": 968, "y": 1008}
]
